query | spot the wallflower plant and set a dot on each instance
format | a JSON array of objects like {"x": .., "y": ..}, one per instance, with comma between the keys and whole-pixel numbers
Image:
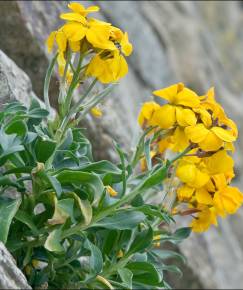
[{"x": 72, "y": 222}]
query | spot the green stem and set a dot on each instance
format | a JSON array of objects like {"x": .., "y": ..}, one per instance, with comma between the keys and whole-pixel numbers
[{"x": 47, "y": 82}]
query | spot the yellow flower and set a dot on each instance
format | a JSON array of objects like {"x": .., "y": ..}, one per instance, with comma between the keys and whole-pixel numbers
[
  {"x": 107, "y": 70},
  {"x": 189, "y": 194},
  {"x": 96, "y": 112},
  {"x": 96, "y": 32},
  {"x": 80, "y": 9},
  {"x": 179, "y": 140},
  {"x": 227, "y": 200},
  {"x": 146, "y": 113},
  {"x": 179, "y": 98},
  {"x": 111, "y": 191},
  {"x": 192, "y": 175},
  {"x": 205, "y": 218},
  {"x": 209, "y": 139},
  {"x": 179, "y": 95},
  {"x": 220, "y": 162}
]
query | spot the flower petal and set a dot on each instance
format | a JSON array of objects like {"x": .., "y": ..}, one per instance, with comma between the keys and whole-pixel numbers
[
  {"x": 170, "y": 92},
  {"x": 223, "y": 134},
  {"x": 196, "y": 133},
  {"x": 164, "y": 117},
  {"x": 187, "y": 98},
  {"x": 211, "y": 142}
]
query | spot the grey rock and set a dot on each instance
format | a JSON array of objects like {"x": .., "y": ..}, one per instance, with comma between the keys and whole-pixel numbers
[{"x": 10, "y": 276}]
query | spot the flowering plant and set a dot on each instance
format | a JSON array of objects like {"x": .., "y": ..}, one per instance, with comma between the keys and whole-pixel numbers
[{"x": 72, "y": 222}]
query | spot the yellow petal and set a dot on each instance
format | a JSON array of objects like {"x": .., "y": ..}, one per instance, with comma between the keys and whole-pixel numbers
[
  {"x": 220, "y": 162},
  {"x": 79, "y": 8},
  {"x": 228, "y": 200},
  {"x": 204, "y": 220},
  {"x": 196, "y": 133},
  {"x": 204, "y": 116},
  {"x": 224, "y": 134},
  {"x": 201, "y": 178},
  {"x": 211, "y": 142},
  {"x": 50, "y": 41},
  {"x": 73, "y": 17},
  {"x": 164, "y": 117},
  {"x": 187, "y": 98},
  {"x": 61, "y": 41},
  {"x": 146, "y": 112},
  {"x": 98, "y": 36},
  {"x": 74, "y": 31},
  {"x": 185, "y": 117},
  {"x": 74, "y": 46},
  {"x": 179, "y": 140},
  {"x": 203, "y": 196},
  {"x": 170, "y": 92},
  {"x": 186, "y": 172},
  {"x": 126, "y": 46},
  {"x": 184, "y": 193},
  {"x": 96, "y": 112},
  {"x": 111, "y": 191}
]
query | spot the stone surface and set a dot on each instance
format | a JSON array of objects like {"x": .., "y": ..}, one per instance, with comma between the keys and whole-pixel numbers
[
  {"x": 10, "y": 276},
  {"x": 197, "y": 42}
]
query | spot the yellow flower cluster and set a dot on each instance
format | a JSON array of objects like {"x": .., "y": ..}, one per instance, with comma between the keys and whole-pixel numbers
[
  {"x": 199, "y": 126},
  {"x": 88, "y": 36}
]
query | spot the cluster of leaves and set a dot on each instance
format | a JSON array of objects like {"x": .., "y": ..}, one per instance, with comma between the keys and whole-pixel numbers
[{"x": 58, "y": 219}]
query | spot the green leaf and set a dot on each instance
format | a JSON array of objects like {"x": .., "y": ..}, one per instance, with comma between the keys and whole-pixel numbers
[
  {"x": 182, "y": 233},
  {"x": 96, "y": 260},
  {"x": 144, "y": 272},
  {"x": 147, "y": 154},
  {"x": 171, "y": 268},
  {"x": 155, "y": 178},
  {"x": 63, "y": 210},
  {"x": 167, "y": 254},
  {"x": 44, "y": 148},
  {"x": 17, "y": 127},
  {"x": 141, "y": 241},
  {"x": 123, "y": 166},
  {"x": 8, "y": 209},
  {"x": 85, "y": 208},
  {"x": 26, "y": 219},
  {"x": 91, "y": 182},
  {"x": 53, "y": 241},
  {"x": 126, "y": 277},
  {"x": 124, "y": 220}
]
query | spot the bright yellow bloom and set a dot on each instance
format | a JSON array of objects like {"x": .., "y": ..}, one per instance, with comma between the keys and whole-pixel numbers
[
  {"x": 209, "y": 139},
  {"x": 80, "y": 9},
  {"x": 220, "y": 162},
  {"x": 192, "y": 175},
  {"x": 179, "y": 140},
  {"x": 179, "y": 95},
  {"x": 179, "y": 98},
  {"x": 107, "y": 70},
  {"x": 111, "y": 191},
  {"x": 96, "y": 32},
  {"x": 206, "y": 217},
  {"x": 146, "y": 113},
  {"x": 96, "y": 112}
]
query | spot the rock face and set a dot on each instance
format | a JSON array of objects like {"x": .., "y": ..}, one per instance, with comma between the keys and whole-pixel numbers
[
  {"x": 11, "y": 277},
  {"x": 197, "y": 42}
]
